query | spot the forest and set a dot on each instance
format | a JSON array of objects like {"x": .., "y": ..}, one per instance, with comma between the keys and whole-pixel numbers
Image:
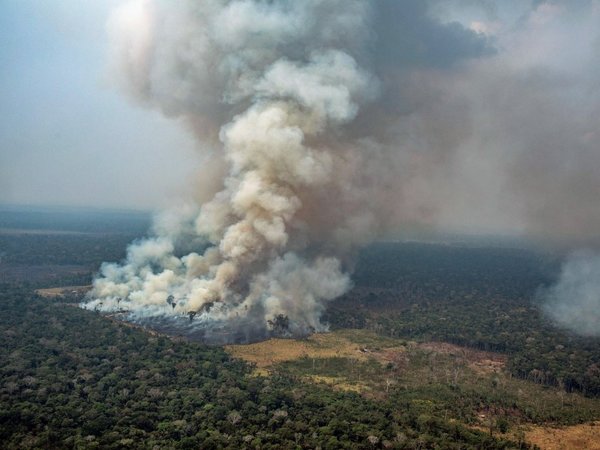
[
  {"x": 484, "y": 298},
  {"x": 71, "y": 378}
]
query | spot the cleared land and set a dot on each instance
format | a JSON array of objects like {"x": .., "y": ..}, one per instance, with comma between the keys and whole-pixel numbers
[
  {"x": 63, "y": 290},
  {"x": 585, "y": 436},
  {"x": 354, "y": 344},
  {"x": 434, "y": 379}
]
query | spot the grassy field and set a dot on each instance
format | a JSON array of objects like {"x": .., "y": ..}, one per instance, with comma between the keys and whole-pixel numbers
[
  {"x": 357, "y": 345},
  {"x": 584, "y": 436}
]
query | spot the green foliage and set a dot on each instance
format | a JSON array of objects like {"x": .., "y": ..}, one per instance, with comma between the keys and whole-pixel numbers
[
  {"x": 53, "y": 219},
  {"x": 51, "y": 247},
  {"x": 88, "y": 250},
  {"x": 446, "y": 385},
  {"x": 74, "y": 379},
  {"x": 71, "y": 378},
  {"x": 484, "y": 298}
]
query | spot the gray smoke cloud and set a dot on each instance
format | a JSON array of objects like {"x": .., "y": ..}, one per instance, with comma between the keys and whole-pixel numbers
[
  {"x": 574, "y": 301},
  {"x": 328, "y": 123},
  {"x": 508, "y": 141},
  {"x": 269, "y": 83}
]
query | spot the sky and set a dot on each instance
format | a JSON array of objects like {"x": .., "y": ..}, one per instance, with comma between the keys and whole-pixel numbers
[
  {"x": 67, "y": 136},
  {"x": 491, "y": 114}
]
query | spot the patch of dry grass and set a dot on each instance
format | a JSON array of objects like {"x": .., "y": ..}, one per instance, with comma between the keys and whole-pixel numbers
[
  {"x": 339, "y": 383},
  {"x": 354, "y": 344},
  {"x": 62, "y": 290},
  {"x": 575, "y": 437},
  {"x": 481, "y": 362}
]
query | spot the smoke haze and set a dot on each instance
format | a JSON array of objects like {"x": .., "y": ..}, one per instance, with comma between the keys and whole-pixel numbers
[
  {"x": 574, "y": 301},
  {"x": 328, "y": 123}
]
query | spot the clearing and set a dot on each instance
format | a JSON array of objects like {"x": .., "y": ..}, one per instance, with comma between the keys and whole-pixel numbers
[
  {"x": 63, "y": 290},
  {"x": 434, "y": 379},
  {"x": 584, "y": 436},
  {"x": 354, "y": 344}
]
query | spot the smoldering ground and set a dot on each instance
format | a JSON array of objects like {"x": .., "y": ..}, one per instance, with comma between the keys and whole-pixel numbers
[{"x": 328, "y": 123}]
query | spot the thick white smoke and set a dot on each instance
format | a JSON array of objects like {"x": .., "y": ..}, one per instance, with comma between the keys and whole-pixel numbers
[
  {"x": 277, "y": 82},
  {"x": 327, "y": 122},
  {"x": 574, "y": 301}
]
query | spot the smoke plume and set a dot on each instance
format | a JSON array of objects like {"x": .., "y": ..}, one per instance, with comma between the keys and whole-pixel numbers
[
  {"x": 574, "y": 301},
  {"x": 328, "y": 123},
  {"x": 274, "y": 84}
]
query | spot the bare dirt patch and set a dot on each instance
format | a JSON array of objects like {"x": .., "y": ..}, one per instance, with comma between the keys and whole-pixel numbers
[{"x": 576, "y": 437}]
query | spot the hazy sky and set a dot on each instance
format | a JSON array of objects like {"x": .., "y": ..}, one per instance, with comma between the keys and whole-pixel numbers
[
  {"x": 67, "y": 136},
  {"x": 494, "y": 117}
]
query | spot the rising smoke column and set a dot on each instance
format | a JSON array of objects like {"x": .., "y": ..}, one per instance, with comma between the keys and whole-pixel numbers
[
  {"x": 328, "y": 122},
  {"x": 573, "y": 302},
  {"x": 277, "y": 84}
]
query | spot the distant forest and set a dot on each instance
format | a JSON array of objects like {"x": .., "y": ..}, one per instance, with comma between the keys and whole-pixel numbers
[
  {"x": 484, "y": 298},
  {"x": 71, "y": 378}
]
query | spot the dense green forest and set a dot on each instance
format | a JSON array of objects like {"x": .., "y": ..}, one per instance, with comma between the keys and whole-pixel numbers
[
  {"x": 88, "y": 250},
  {"x": 82, "y": 220},
  {"x": 53, "y": 247},
  {"x": 483, "y": 298},
  {"x": 73, "y": 379}
]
